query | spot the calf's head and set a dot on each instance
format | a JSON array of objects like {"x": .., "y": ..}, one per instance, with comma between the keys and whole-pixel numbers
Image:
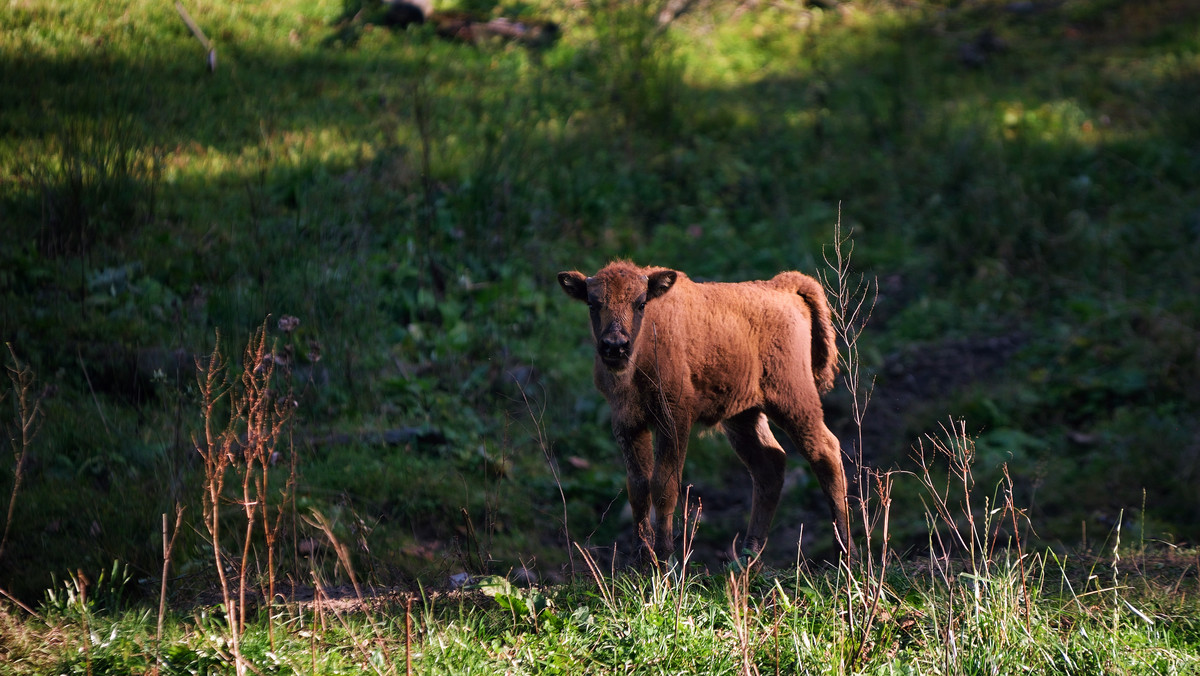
[{"x": 616, "y": 298}]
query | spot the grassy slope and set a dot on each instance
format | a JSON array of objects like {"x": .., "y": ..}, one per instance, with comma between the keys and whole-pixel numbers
[{"x": 410, "y": 199}]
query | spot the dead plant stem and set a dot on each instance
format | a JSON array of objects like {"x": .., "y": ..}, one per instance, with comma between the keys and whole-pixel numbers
[
  {"x": 544, "y": 444},
  {"x": 28, "y": 422},
  {"x": 408, "y": 636},
  {"x": 168, "y": 545},
  {"x": 95, "y": 399},
  {"x": 217, "y": 453}
]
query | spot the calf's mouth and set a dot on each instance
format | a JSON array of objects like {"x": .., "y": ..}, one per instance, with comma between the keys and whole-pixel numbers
[
  {"x": 615, "y": 358},
  {"x": 615, "y": 363}
]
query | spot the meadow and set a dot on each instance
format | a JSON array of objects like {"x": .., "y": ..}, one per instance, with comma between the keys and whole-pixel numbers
[{"x": 288, "y": 328}]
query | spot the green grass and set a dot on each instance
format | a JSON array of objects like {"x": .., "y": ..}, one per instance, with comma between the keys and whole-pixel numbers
[
  {"x": 1047, "y": 616},
  {"x": 410, "y": 199}
]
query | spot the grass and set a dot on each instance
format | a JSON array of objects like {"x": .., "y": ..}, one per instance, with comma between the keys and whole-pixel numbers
[
  {"x": 1049, "y": 615},
  {"x": 1024, "y": 175}
]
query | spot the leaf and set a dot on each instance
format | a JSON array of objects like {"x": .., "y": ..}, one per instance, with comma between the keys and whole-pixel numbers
[
  {"x": 492, "y": 585},
  {"x": 809, "y": 593},
  {"x": 539, "y": 601},
  {"x": 1139, "y": 613},
  {"x": 784, "y": 601},
  {"x": 582, "y": 617},
  {"x": 507, "y": 596}
]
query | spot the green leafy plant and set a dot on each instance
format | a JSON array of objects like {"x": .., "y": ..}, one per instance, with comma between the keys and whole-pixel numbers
[
  {"x": 526, "y": 605},
  {"x": 79, "y": 596}
]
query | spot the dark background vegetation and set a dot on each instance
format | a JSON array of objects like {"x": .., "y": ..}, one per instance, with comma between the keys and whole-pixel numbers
[{"x": 1020, "y": 179}]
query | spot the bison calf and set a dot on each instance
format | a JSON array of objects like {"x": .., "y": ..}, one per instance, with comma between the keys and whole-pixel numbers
[{"x": 671, "y": 352}]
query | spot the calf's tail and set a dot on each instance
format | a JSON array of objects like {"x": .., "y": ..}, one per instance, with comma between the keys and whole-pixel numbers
[{"x": 824, "y": 339}]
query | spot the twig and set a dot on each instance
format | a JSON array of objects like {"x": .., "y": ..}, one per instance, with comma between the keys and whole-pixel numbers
[
  {"x": 212, "y": 380},
  {"x": 1020, "y": 554},
  {"x": 319, "y": 591},
  {"x": 472, "y": 539},
  {"x": 546, "y": 451},
  {"x": 672, "y": 10},
  {"x": 191, "y": 24},
  {"x": 607, "y": 595},
  {"x": 318, "y": 520},
  {"x": 168, "y": 545},
  {"x": 95, "y": 399},
  {"x": 21, "y": 605},
  {"x": 29, "y": 417},
  {"x": 408, "y": 636}
]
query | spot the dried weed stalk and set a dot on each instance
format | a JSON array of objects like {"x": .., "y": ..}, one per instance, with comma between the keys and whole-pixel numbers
[
  {"x": 28, "y": 420},
  {"x": 244, "y": 423}
]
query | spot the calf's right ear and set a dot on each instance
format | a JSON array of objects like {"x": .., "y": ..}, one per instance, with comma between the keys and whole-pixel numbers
[{"x": 575, "y": 284}]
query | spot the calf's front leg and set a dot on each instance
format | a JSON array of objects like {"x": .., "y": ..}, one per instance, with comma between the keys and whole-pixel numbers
[
  {"x": 638, "y": 451},
  {"x": 669, "y": 453}
]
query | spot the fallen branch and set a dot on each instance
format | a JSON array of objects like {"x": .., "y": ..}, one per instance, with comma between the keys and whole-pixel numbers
[{"x": 191, "y": 24}]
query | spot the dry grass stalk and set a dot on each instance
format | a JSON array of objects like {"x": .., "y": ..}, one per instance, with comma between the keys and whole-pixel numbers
[
  {"x": 266, "y": 412},
  {"x": 28, "y": 420},
  {"x": 607, "y": 591},
  {"x": 216, "y": 450},
  {"x": 741, "y": 616},
  {"x": 408, "y": 604},
  {"x": 243, "y": 425},
  {"x": 544, "y": 444},
  {"x": 852, "y": 303},
  {"x": 321, "y": 595},
  {"x": 168, "y": 545},
  {"x": 318, "y": 520}
]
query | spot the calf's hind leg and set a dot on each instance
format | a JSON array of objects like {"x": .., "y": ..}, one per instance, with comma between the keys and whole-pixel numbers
[
  {"x": 820, "y": 447},
  {"x": 752, "y": 440}
]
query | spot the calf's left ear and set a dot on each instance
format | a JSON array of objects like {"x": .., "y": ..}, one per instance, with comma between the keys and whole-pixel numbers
[
  {"x": 575, "y": 284},
  {"x": 659, "y": 283}
]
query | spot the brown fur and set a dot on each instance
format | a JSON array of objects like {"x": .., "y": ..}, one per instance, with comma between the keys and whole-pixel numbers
[{"x": 672, "y": 352}]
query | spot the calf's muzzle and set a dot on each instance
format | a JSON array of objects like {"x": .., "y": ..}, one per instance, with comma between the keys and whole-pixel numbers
[{"x": 614, "y": 348}]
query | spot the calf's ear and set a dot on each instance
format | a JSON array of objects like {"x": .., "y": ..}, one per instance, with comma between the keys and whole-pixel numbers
[
  {"x": 575, "y": 284},
  {"x": 659, "y": 283}
]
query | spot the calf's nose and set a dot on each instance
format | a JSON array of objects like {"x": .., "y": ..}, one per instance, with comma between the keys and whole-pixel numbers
[{"x": 614, "y": 345}]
